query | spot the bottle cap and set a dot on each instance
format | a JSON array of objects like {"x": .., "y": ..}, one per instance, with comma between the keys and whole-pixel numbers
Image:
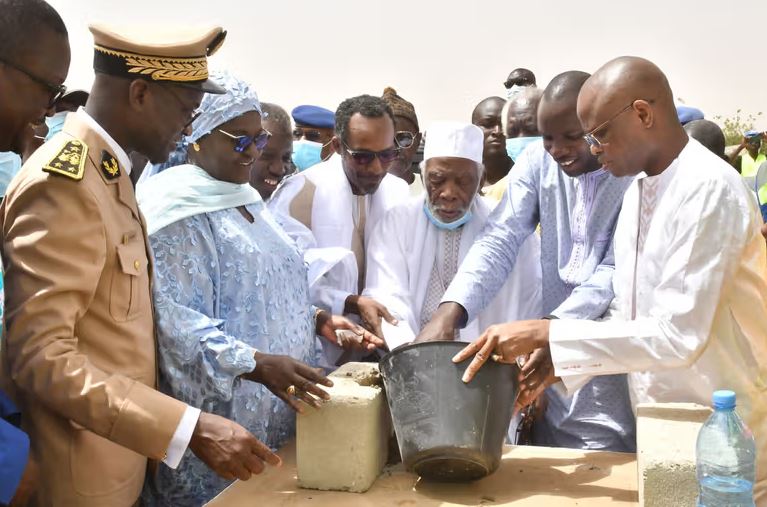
[{"x": 723, "y": 399}]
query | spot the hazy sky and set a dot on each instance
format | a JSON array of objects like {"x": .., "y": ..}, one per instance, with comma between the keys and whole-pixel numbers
[{"x": 446, "y": 56}]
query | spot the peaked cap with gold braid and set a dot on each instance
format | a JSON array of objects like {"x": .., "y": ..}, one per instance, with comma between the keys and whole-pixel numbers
[{"x": 158, "y": 54}]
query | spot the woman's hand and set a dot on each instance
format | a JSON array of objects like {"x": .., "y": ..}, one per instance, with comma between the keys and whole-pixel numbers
[{"x": 290, "y": 380}]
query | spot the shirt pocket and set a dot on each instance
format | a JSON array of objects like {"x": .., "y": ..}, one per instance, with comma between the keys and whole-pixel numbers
[{"x": 129, "y": 292}]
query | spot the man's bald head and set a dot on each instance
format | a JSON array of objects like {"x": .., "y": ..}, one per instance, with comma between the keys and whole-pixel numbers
[
  {"x": 560, "y": 99},
  {"x": 490, "y": 104},
  {"x": 628, "y": 78},
  {"x": 520, "y": 115},
  {"x": 565, "y": 86},
  {"x": 628, "y": 107},
  {"x": 708, "y": 134},
  {"x": 529, "y": 96},
  {"x": 558, "y": 123}
]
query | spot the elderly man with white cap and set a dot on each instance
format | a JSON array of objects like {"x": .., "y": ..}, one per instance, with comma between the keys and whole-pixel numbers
[{"x": 416, "y": 249}]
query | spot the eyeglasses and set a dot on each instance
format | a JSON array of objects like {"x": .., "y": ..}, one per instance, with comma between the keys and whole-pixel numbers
[
  {"x": 405, "y": 139},
  {"x": 591, "y": 137},
  {"x": 365, "y": 157},
  {"x": 308, "y": 134},
  {"x": 195, "y": 113},
  {"x": 242, "y": 142},
  {"x": 55, "y": 91}
]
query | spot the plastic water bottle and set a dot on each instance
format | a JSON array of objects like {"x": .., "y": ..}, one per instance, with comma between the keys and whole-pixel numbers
[{"x": 725, "y": 457}]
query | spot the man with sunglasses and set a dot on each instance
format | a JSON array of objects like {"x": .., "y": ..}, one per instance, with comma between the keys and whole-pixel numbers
[
  {"x": 339, "y": 201},
  {"x": 558, "y": 184},
  {"x": 690, "y": 309},
  {"x": 34, "y": 62},
  {"x": 80, "y": 352},
  {"x": 408, "y": 138},
  {"x": 517, "y": 80}
]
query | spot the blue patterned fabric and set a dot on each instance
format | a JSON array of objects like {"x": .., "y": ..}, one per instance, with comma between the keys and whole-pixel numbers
[
  {"x": 224, "y": 287},
  {"x": 577, "y": 217}
]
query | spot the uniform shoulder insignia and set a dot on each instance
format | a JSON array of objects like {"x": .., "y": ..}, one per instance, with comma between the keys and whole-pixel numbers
[
  {"x": 69, "y": 161},
  {"x": 109, "y": 165}
]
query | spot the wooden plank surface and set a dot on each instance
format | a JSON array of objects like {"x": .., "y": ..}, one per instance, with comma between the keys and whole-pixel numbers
[{"x": 528, "y": 476}]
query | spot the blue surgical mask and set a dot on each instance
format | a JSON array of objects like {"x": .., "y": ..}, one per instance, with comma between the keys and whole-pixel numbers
[
  {"x": 516, "y": 145},
  {"x": 10, "y": 164},
  {"x": 448, "y": 226},
  {"x": 306, "y": 154},
  {"x": 55, "y": 124}
]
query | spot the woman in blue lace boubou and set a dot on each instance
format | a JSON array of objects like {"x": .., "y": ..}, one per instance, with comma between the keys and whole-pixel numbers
[{"x": 235, "y": 326}]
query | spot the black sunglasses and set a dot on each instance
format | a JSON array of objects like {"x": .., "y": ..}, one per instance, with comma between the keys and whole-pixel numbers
[
  {"x": 242, "y": 142},
  {"x": 55, "y": 91},
  {"x": 365, "y": 157},
  {"x": 405, "y": 139}
]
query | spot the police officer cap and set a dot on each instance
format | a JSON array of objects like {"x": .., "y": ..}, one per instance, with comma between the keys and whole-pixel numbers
[{"x": 314, "y": 116}]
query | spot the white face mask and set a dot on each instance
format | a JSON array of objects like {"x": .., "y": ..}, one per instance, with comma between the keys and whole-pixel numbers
[{"x": 515, "y": 89}]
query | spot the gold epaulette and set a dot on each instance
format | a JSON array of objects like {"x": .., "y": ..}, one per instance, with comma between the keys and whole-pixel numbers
[{"x": 69, "y": 161}]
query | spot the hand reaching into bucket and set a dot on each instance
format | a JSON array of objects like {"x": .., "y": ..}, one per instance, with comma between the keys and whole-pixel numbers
[
  {"x": 504, "y": 343},
  {"x": 443, "y": 323}
]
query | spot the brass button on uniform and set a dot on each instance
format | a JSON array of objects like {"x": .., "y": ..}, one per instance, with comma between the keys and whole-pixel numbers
[{"x": 137, "y": 264}]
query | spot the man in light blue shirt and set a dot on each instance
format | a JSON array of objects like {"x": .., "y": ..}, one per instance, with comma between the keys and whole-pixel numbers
[{"x": 558, "y": 184}]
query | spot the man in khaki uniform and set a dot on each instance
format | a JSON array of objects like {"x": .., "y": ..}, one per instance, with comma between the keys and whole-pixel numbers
[{"x": 80, "y": 354}]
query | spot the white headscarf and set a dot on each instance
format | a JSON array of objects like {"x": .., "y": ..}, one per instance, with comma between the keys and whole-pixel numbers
[
  {"x": 185, "y": 190},
  {"x": 216, "y": 110}
]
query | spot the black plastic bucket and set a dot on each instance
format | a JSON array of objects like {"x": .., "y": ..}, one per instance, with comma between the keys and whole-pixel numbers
[{"x": 447, "y": 430}]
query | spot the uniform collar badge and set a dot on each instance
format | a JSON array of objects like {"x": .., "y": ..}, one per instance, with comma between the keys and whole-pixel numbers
[{"x": 109, "y": 165}]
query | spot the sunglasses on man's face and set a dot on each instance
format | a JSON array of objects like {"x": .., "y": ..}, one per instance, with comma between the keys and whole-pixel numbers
[
  {"x": 55, "y": 92},
  {"x": 243, "y": 142},
  {"x": 308, "y": 134},
  {"x": 365, "y": 157},
  {"x": 405, "y": 139}
]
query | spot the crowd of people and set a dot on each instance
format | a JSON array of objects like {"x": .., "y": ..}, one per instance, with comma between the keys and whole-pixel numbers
[{"x": 183, "y": 264}]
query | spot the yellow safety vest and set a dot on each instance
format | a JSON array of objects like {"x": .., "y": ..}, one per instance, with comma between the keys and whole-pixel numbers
[{"x": 749, "y": 166}]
